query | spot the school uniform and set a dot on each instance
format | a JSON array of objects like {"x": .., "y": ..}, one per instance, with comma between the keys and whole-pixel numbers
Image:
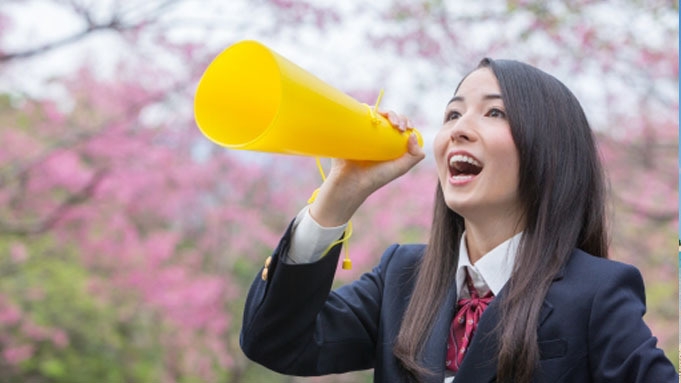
[{"x": 590, "y": 327}]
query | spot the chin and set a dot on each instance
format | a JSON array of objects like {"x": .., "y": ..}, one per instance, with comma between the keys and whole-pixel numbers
[{"x": 458, "y": 207}]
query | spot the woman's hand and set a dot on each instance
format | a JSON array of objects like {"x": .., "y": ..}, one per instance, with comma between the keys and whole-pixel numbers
[{"x": 350, "y": 182}]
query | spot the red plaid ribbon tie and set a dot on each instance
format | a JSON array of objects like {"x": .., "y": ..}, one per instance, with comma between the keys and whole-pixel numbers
[{"x": 464, "y": 324}]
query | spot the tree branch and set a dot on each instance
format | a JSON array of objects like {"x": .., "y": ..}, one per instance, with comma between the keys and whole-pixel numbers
[
  {"x": 46, "y": 223},
  {"x": 115, "y": 23},
  {"x": 19, "y": 170}
]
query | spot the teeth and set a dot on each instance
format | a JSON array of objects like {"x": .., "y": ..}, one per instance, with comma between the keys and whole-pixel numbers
[{"x": 463, "y": 158}]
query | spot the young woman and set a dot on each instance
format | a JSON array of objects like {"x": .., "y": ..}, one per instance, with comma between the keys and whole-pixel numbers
[{"x": 514, "y": 284}]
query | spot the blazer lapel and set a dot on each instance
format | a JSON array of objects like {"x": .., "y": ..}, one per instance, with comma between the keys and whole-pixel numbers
[
  {"x": 480, "y": 362},
  {"x": 435, "y": 349}
]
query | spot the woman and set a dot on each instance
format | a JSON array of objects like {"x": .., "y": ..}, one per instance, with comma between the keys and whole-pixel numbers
[{"x": 513, "y": 285}]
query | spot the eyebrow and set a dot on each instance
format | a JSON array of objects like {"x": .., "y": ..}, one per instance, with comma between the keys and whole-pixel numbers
[{"x": 485, "y": 97}]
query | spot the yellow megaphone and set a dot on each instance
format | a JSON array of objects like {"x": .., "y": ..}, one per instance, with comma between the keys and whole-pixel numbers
[{"x": 251, "y": 98}]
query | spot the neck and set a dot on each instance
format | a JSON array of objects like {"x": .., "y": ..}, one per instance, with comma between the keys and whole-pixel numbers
[{"x": 483, "y": 236}]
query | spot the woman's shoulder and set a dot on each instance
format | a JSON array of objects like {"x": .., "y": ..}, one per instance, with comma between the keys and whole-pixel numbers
[
  {"x": 588, "y": 270},
  {"x": 588, "y": 282},
  {"x": 592, "y": 264},
  {"x": 403, "y": 254},
  {"x": 401, "y": 257}
]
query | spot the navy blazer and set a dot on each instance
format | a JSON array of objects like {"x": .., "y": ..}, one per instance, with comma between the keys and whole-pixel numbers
[{"x": 590, "y": 328}]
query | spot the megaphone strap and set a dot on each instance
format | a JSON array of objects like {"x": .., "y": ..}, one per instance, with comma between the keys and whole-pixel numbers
[
  {"x": 347, "y": 263},
  {"x": 374, "y": 110}
]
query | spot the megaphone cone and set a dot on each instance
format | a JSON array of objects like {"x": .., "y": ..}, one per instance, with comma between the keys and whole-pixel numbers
[{"x": 251, "y": 98}]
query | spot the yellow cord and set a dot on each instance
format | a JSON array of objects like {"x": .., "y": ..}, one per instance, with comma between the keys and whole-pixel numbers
[
  {"x": 374, "y": 110},
  {"x": 347, "y": 263}
]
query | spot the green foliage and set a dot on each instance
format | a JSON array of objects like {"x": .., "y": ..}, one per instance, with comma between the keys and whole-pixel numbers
[
  {"x": 226, "y": 212},
  {"x": 52, "y": 289}
]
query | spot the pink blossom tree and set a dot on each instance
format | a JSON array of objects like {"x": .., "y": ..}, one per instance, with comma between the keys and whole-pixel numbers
[{"x": 128, "y": 241}]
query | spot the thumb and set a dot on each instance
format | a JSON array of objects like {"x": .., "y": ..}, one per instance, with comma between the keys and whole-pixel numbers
[{"x": 413, "y": 155}]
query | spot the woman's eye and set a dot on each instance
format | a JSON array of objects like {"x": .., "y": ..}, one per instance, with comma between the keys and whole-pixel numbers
[
  {"x": 453, "y": 115},
  {"x": 494, "y": 112}
]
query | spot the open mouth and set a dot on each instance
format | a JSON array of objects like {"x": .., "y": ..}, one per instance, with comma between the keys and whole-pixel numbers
[{"x": 463, "y": 166}]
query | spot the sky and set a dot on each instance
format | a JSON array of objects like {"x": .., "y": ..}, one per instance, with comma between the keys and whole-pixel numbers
[{"x": 340, "y": 54}]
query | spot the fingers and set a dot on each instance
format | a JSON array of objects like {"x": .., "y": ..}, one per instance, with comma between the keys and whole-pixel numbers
[
  {"x": 415, "y": 152},
  {"x": 399, "y": 121},
  {"x": 413, "y": 156},
  {"x": 414, "y": 148}
]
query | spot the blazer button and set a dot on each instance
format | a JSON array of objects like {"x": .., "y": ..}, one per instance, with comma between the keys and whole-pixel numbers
[{"x": 265, "y": 271}]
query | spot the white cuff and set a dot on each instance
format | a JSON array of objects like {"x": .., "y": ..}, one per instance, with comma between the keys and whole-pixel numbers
[{"x": 309, "y": 239}]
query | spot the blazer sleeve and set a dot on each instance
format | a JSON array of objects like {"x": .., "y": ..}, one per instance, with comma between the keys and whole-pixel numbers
[
  {"x": 294, "y": 324},
  {"x": 622, "y": 348}
]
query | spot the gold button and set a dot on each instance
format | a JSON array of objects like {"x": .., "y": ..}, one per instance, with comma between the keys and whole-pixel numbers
[
  {"x": 268, "y": 261},
  {"x": 264, "y": 274}
]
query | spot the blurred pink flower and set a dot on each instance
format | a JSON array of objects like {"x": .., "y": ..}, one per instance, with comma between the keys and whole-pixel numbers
[
  {"x": 17, "y": 354},
  {"x": 60, "y": 338},
  {"x": 18, "y": 252},
  {"x": 9, "y": 315}
]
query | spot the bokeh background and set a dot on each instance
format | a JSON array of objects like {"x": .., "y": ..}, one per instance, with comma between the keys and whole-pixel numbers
[{"x": 128, "y": 240}]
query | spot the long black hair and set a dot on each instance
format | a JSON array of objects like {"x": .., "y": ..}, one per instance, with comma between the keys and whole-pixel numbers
[{"x": 562, "y": 191}]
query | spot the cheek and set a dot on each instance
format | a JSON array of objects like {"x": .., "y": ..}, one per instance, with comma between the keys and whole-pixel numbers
[
  {"x": 513, "y": 167},
  {"x": 508, "y": 156},
  {"x": 439, "y": 141},
  {"x": 439, "y": 147}
]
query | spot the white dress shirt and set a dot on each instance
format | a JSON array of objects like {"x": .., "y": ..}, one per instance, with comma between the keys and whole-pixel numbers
[
  {"x": 489, "y": 273},
  {"x": 310, "y": 239}
]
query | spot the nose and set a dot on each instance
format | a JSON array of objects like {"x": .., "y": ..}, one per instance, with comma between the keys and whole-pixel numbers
[
  {"x": 461, "y": 135},
  {"x": 463, "y": 131}
]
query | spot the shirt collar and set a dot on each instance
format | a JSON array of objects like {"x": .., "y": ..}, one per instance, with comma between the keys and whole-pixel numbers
[{"x": 492, "y": 271}]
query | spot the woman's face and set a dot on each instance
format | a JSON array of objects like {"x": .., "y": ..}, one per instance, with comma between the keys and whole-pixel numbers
[{"x": 476, "y": 157}]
